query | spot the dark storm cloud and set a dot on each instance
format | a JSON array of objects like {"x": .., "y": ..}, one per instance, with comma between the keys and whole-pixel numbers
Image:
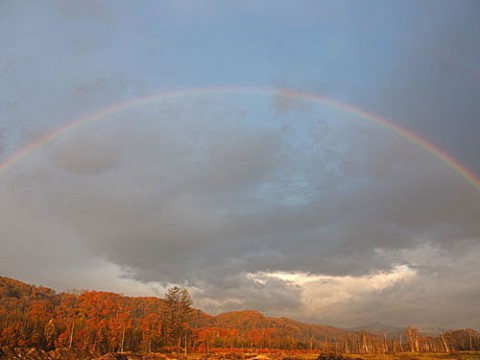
[
  {"x": 86, "y": 156},
  {"x": 434, "y": 88},
  {"x": 241, "y": 200}
]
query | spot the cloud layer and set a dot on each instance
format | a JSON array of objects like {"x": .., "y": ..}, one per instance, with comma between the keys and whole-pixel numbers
[{"x": 231, "y": 204}]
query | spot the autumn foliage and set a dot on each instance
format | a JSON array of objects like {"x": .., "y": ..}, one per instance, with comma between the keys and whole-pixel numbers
[{"x": 103, "y": 322}]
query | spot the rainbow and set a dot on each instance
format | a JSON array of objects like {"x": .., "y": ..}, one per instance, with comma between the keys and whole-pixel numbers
[{"x": 449, "y": 160}]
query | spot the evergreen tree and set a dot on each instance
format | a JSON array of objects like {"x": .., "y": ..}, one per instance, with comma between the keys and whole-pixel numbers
[{"x": 176, "y": 314}]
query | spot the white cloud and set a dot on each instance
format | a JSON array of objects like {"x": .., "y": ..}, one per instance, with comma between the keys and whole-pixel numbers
[{"x": 321, "y": 291}]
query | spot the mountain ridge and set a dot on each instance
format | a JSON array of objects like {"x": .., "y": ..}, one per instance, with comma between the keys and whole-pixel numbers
[{"x": 103, "y": 322}]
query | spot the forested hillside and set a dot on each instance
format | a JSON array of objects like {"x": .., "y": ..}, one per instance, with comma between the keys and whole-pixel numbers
[{"x": 102, "y": 322}]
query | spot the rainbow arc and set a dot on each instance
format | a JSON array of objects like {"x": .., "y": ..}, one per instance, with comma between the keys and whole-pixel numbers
[{"x": 422, "y": 143}]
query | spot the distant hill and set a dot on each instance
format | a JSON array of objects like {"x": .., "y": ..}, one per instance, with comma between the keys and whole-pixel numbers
[
  {"x": 379, "y": 328},
  {"x": 394, "y": 331},
  {"x": 97, "y": 322},
  {"x": 249, "y": 320}
]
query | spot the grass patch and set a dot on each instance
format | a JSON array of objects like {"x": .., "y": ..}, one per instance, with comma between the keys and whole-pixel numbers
[{"x": 466, "y": 355}]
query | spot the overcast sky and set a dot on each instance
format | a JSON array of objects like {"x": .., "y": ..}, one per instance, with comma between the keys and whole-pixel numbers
[{"x": 252, "y": 201}]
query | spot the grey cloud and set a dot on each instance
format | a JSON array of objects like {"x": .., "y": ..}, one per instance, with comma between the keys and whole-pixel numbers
[
  {"x": 271, "y": 297},
  {"x": 90, "y": 90},
  {"x": 86, "y": 156},
  {"x": 443, "y": 297},
  {"x": 38, "y": 247},
  {"x": 2, "y": 140},
  {"x": 433, "y": 90},
  {"x": 283, "y": 103},
  {"x": 198, "y": 207},
  {"x": 89, "y": 8},
  {"x": 237, "y": 158}
]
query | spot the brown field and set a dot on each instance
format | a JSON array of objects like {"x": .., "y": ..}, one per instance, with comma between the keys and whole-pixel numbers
[
  {"x": 65, "y": 354},
  {"x": 424, "y": 356},
  {"x": 465, "y": 355}
]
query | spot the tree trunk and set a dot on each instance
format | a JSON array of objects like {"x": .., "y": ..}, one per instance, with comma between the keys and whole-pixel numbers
[
  {"x": 123, "y": 339},
  {"x": 71, "y": 334},
  {"x": 445, "y": 344},
  {"x": 185, "y": 344}
]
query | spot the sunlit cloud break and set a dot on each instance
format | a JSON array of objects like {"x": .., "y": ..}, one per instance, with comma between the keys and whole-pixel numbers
[{"x": 324, "y": 290}]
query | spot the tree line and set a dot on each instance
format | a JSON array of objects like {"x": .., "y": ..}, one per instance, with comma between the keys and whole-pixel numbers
[{"x": 102, "y": 322}]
